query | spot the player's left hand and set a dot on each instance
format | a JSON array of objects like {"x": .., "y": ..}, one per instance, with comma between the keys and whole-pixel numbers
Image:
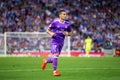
[{"x": 65, "y": 33}]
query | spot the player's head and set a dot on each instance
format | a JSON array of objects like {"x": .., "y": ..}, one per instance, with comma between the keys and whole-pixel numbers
[
  {"x": 62, "y": 14},
  {"x": 88, "y": 36}
]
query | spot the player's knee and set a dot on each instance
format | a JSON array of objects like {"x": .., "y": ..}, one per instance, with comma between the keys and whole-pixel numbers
[{"x": 56, "y": 55}]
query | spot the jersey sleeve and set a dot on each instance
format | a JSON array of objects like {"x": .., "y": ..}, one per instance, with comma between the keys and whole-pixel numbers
[
  {"x": 51, "y": 26},
  {"x": 69, "y": 28}
]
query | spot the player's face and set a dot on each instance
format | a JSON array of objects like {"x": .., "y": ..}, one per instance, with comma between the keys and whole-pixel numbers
[{"x": 63, "y": 15}]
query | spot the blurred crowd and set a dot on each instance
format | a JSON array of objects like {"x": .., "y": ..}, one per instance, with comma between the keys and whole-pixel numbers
[
  {"x": 28, "y": 42},
  {"x": 98, "y": 18}
]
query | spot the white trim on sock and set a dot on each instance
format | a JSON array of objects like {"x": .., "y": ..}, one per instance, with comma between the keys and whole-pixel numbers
[
  {"x": 55, "y": 57},
  {"x": 45, "y": 61},
  {"x": 54, "y": 71}
]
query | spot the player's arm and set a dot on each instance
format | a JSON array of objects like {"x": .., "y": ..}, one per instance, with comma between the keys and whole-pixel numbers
[
  {"x": 68, "y": 32},
  {"x": 50, "y": 28},
  {"x": 50, "y": 32},
  {"x": 85, "y": 43}
]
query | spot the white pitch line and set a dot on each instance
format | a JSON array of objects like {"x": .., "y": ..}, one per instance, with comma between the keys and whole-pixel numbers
[
  {"x": 19, "y": 70},
  {"x": 65, "y": 69}
]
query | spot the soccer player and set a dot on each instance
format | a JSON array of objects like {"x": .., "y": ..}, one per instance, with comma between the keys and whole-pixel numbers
[
  {"x": 58, "y": 30},
  {"x": 88, "y": 45}
]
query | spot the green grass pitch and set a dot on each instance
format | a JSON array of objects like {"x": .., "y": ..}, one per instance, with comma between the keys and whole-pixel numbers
[{"x": 71, "y": 68}]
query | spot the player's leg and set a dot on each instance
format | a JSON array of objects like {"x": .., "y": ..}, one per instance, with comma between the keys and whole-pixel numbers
[
  {"x": 87, "y": 54},
  {"x": 49, "y": 60},
  {"x": 56, "y": 56},
  {"x": 55, "y": 64},
  {"x": 56, "y": 52},
  {"x": 45, "y": 62},
  {"x": 88, "y": 49},
  {"x": 55, "y": 60}
]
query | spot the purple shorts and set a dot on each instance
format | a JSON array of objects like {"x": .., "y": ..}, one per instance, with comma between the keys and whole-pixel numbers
[{"x": 56, "y": 48}]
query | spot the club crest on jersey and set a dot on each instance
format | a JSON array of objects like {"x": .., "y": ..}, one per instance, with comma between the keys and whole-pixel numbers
[
  {"x": 58, "y": 26},
  {"x": 65, "y": 26}
]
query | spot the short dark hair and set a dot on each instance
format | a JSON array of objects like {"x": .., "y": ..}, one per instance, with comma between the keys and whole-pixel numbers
[
  {"x": 61, "y": 11},
  {"x": 89, "y": 36}
]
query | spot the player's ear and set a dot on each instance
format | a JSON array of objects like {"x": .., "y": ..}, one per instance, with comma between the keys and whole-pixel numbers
[{"x": 59, "y": 14}]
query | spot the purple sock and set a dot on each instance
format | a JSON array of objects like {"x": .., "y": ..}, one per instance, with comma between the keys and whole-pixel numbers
[
  {"x": 55, "y": 61},
  {"x": 49, "y": 60}
]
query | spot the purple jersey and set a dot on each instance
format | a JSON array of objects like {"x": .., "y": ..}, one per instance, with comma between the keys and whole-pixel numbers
[{"x": 58, "y": 28}]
